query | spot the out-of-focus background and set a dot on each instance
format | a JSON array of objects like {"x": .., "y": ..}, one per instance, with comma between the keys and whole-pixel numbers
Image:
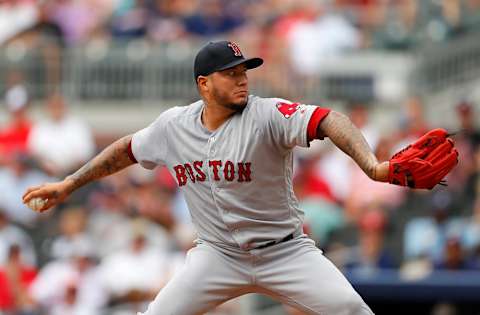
[{"x": 77, "y": 74}]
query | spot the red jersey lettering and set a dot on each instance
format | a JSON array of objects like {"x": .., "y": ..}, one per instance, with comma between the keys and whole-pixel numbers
[
  {"x": 229, "y": 171},
  {"x": 198, "y": 168},
  {"x": 215, "y": 164},
  {"x": 180, "y": 173},
  {"x": 244, "y": 171},
  {"x": 195, "y": 173},
  {"x": 189, "y": 170}
]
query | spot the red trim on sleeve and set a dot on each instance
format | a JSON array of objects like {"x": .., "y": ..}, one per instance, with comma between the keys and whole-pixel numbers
[
  {"x": 130, "y": 153},
  {"x": 318, "y": 115}
]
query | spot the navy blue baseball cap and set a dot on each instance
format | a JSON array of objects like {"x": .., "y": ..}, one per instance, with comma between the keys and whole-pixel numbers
[{"x": 221, "y": 55}]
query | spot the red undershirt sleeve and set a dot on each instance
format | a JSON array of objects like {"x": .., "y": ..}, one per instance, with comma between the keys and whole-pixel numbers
[
  {"x": 318, "y": 115},
  {"x": 130, "y": 153}
]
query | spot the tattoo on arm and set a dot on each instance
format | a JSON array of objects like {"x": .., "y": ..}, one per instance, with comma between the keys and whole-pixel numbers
[
  {"x": 350, "y": 140},
  {"x": 111, "y": 160}
]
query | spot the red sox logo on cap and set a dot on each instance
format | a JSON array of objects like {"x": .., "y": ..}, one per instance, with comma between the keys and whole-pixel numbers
[{"x": 235, "y": 48}]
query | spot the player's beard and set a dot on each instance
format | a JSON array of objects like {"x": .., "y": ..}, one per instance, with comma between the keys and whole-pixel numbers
[
  {"x": 236, "y": 107},
  {"x": 225, "y": 101}
]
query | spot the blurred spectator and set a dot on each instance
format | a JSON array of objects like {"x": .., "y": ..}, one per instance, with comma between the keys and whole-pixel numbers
[
  {"x": 453, "y": 257},
  {"x": 210, "y": 19},
  {"x": 476, "y": 179},
  {"x": 467, "y": 141},
  {"x": 18, "y": 174},
  {"x": 113, "y": 206},
  {"x": 78, "y": 20},
  {"x": 70, "y": 286},
  {"x": 412, "y": 123},
  {"x": 322, "y": 213},
  {"x": 415, "y": 124},
  {"x": 308, "y": 182},
  {"x": 322, "y": 219},
  {"x": 129, "y": 19},
  {"x": 72, "y": 228},
  {"x": 291, "y": 15},
  {"x": 15, "y": 280},
  {"x": 469, "y": 130},
  {"x": 400, "y": 25},
  {"x": 326, "y": 35},
  {"x": 145, "y": 269},
  {"x": 371, "y": 253},
  {"x": 473, "y": 258},
  {"x": 335, "y": 168},
  {"x": 472, "y": 18},
  {"x": 109, "y": 220},
  {"x": 360, "y": 116},
  {"x": 165, "y": 19},
  {"x": 150, "y": 199},
  {"x": 12, "y": 235},
  {"x": 41, "y": 44},
  {"x": 63, "y": 142},
  {"x": 364, "y": 13},
  {"x": 15, "y": 17},
  {"x": 427, "y": 236},
  {"x": 445, "y": 20},
  {"x": 14, "y": 135},
  {"x": 471, "y": 235},
  {"x": 48, "y": 29}
]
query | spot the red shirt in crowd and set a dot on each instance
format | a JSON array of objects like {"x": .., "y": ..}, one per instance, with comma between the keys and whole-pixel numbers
[
  {"x": 14, "y": 138},
  {"x": 7, "y": 299}
]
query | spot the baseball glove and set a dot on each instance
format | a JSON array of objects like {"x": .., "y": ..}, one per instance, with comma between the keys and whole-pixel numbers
[{"x": 424, "y": 163}]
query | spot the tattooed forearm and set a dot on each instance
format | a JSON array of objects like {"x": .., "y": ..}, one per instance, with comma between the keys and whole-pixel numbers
[
  {"x": 111, "y": 160},
  {"x": 350, "y": 140}
]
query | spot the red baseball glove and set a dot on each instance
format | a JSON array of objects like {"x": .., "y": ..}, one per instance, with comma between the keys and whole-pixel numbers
[{"x": 425, "y": 163}]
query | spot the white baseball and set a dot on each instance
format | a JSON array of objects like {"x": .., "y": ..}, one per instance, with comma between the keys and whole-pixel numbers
[{"x": 36, "y": 203}]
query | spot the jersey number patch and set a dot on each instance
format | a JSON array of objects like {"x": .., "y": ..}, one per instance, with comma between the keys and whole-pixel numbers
[{"x": 287, "y": 109}]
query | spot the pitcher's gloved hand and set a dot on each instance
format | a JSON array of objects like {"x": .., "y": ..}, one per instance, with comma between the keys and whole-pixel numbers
[{"x": 424, "y": 163}]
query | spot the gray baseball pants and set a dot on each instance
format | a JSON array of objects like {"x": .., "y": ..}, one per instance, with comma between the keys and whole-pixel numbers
[{"x": 294, "y": 272}]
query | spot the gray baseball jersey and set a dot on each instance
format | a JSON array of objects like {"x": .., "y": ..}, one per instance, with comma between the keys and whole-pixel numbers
[{"x": 237, "y": 179}]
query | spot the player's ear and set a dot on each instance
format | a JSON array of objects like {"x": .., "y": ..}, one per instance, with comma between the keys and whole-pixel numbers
[{"x": 202, "y": 83}]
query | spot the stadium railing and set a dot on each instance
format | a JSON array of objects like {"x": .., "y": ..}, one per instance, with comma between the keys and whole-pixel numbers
[{"x": 137, "y": 71}]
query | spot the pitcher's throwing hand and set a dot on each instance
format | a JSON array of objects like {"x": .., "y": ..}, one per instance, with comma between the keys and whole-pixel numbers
[{"x": 43, "y": 197}]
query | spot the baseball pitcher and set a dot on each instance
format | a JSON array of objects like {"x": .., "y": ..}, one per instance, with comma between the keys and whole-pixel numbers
[{"x": 231, "y": 154}]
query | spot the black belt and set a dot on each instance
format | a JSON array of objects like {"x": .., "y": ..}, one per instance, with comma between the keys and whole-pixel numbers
[{"x": 285, "y": 239}]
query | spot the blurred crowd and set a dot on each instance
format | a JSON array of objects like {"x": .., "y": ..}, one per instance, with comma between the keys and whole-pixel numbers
[
  {"x": 370, "y": 23},
  {"x": 116, "y": 242},
  {"x": 295, "y": 37}
]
